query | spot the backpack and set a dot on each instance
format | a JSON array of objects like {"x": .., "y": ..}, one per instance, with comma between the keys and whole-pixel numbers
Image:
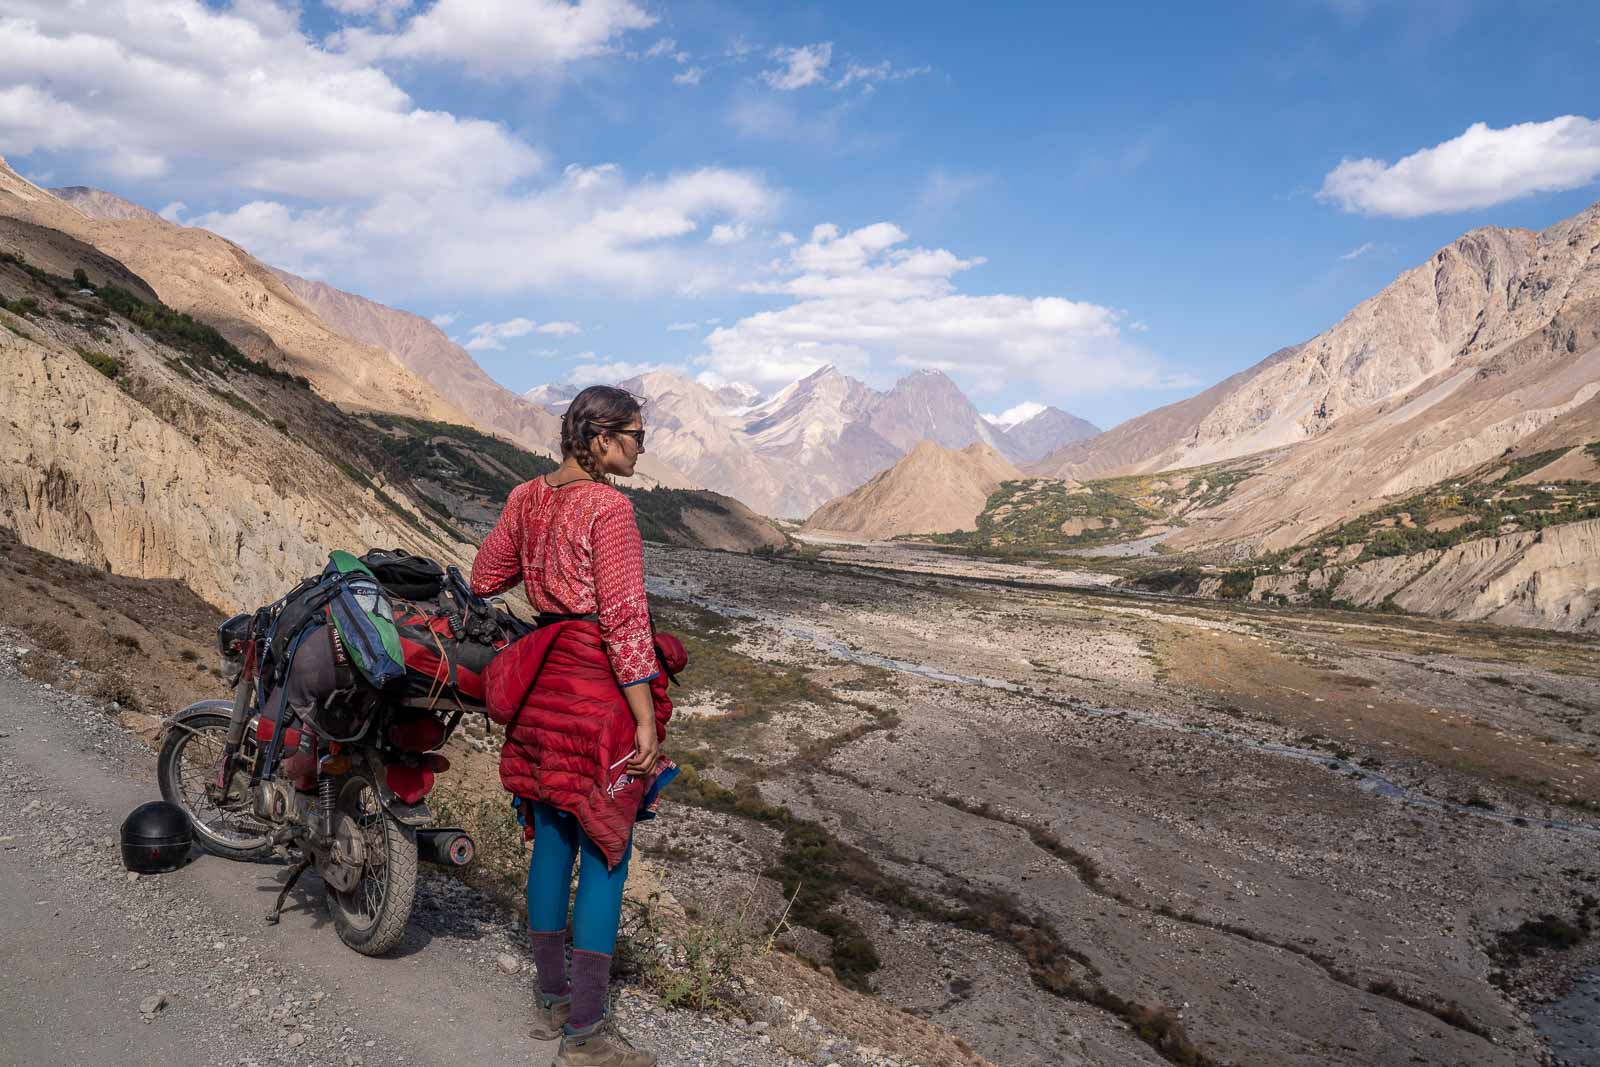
[
  {"x": 363, "y": 620},
  {"x": 405, "y": 576}
]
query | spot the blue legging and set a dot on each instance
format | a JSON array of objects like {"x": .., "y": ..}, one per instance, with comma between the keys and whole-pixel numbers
[{"x": 597, "y": 910}]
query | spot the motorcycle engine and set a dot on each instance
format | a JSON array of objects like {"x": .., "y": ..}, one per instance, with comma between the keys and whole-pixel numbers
[{"x": 277, "y": 801}]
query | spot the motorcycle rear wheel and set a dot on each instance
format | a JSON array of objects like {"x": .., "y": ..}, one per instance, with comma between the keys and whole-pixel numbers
[
  {"x": 371, "y": 918},
  {"x": 188, "y": 761}
]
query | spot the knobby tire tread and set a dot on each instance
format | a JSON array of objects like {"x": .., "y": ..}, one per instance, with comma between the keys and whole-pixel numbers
[{"x": 398, "y": 900}]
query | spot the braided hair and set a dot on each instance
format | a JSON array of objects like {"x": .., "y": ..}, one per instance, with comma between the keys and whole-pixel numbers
[{"x": 597, "y": 408}]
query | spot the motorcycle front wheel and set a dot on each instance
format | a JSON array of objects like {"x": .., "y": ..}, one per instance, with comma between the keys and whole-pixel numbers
[
  {"x": 186, "y": 770},
  {"x": 371, "y": 916}
]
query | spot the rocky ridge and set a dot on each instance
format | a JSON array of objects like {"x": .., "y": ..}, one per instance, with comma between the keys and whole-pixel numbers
[
  {"x": 199, "y": 273},
  {"x": 817, "y": 438},
  {"x": 139, "y": 457},
  {"x": 930, "y": 490}
]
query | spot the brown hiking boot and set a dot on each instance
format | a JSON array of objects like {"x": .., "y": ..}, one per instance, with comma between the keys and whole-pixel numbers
[
  {"x": 549, "y": 1016},
  {"x": 601, "y": 1047}
]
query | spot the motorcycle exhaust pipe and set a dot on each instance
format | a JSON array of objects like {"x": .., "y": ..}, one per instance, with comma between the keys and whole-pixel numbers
[{"x": 448, "y": 847}]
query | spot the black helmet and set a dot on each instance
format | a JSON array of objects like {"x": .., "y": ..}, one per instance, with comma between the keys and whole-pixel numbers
[{"x": 156, "y": 837}]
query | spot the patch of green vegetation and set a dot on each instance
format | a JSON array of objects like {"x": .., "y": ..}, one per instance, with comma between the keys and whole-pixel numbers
[
  {"x": 458, "y": 455},
  {"x": 813, "y": 868},
  {"x": 660, "y": 512},
  {"x": 1594, "y": 451},
  {"x": 234, "y": 400},
  {"x": 1032, "y": 513},
  {"x": 110, "y": 366},
  {"x": 1524, "y": 465},
  {"x": 22, "y": 306},
  {"x": 394, "y": 506},
  {"x": 1547, "y": 933},
  {"x": 173, "y": 328}
]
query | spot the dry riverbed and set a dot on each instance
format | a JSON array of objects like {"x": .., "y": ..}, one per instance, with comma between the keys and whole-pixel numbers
[{"x": 1077, "y": 826}]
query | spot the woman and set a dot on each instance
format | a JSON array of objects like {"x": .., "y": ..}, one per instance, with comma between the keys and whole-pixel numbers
[{"x": 584, "y": 702}]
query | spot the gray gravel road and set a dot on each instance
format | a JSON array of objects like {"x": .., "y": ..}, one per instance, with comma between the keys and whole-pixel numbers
[{"x": 87, "y": 950}]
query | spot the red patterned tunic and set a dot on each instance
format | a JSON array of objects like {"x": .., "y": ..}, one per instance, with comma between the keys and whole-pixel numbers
[{"x": 576, "y": 548}]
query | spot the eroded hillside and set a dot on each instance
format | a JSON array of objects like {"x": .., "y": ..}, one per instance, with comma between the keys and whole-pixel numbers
[{"x": 142, "y": 441}]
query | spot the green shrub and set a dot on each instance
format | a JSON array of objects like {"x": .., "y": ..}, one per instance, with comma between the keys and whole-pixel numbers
[{"x": 110, "y": 366}]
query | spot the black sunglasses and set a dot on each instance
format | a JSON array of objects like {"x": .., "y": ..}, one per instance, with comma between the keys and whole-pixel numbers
[{"x": 637, "y": 435}]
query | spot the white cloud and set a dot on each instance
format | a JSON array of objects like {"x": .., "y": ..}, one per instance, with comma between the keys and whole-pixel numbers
[
  {"x": 594, "y": 372},
  {"x": 346, "y": 175},
  {"x": 1015, "y": 416},
  {"x": 727, "y": 234},
  {"x": 497, "y": 38},
  {"x": 864, "y": 299},
  {"x": 877, "y": 72},
  {"x": 682, "y": 327},
  {"x": 444, "y": 318},
  {"x": 691, "y": 76},
  {"x": 1480, "y": 168},
  {"x": 174, "y": 212},
  {"x": 297, "y": 241},
  {"x": 493, "y": 335},
  {"x": 204, "y": 89},
  {"x": 1360, "y": 250},
  {"x": 664, "y": 47},
  {"x": 803, "y": 66}
]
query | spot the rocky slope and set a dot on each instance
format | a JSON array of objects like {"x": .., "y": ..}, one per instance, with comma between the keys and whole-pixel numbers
[
  {"x": 1488, "y": 353},
  {"x": 1548, "y": 578},
  {"x": 1036, "y": 437},
  {"x": 160, "y": 452},
  {"x": 817, "y": 438},
  {"x": 99, "y": 204},
  {"x": 198, "y": 273},
  {"x": 422, "y": 348},
  {"x": 930, "y": 490},
  {"x": 413, "y": 342},
  {"x": 927, "y": 406},
  {"x": 1489, "y": 289}
]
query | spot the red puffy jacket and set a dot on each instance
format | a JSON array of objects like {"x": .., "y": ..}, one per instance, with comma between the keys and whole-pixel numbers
[{"x": 569, "y": 733}]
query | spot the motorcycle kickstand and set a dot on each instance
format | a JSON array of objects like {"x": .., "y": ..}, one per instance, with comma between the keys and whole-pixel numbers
[{"x": 283, "y": 894}]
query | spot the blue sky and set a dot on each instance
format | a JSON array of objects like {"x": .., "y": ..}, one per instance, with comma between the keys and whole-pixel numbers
[{"x": 1106, "y": 207}]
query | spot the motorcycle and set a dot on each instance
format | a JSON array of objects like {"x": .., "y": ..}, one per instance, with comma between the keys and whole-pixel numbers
[{"x": 365, "y": 827}]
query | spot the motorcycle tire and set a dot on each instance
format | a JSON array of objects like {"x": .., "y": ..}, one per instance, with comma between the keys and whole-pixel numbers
[
  {"x": 196, "y": 724},
  {"x": 372, "y": 917}
]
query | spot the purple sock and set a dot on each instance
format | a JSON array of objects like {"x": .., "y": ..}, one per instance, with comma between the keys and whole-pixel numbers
[
  {"x": 550, "y": 960},
  {"x": 591, "y": 978}
]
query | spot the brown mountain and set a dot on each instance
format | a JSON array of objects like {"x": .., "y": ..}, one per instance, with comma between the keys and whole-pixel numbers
[
  {"x": 422, "y": 348},
  {"x": 151, "y": 448},
  {"x": 928, "y": 406},
  {"x": 99, "y": 204},
  {"x": 930, "y": 490},
  {"x": 1050, "y": 429},
  {"x": 813, "y": 440},
  {"x": 413, "y": 342},
  {"x": 1488, "y": 289},
  {"x": 196, "y": 272}
]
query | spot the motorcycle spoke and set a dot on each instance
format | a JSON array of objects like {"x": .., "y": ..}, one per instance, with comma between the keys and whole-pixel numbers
[
  {"x": 366, "y": 899},
  {"x": 196, "y": 765}
]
